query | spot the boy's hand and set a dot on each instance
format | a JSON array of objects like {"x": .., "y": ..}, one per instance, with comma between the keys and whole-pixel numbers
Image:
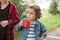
[
  {"x": 20, "y": 24},
  {"x": 42, "y": 38}
]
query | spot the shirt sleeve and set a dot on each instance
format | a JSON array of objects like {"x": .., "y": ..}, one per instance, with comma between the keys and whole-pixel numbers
[
  {"x": 16, "y": 28},
  {"x": 42, "y": 30},
  {"x": 14, "y": 16}
]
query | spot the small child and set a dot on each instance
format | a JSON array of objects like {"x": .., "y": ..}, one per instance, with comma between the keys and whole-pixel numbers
[{"x": 36, "y": 30}]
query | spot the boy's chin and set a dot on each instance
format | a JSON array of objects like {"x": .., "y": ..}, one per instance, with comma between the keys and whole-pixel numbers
[{"x": 29, "y": 19}]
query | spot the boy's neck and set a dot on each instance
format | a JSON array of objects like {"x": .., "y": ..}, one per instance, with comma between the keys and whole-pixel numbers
[{"x": 32, "y": 21}]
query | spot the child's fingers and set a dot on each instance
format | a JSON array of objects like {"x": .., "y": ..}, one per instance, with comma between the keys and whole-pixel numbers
[{"x": 20, "y": 23}]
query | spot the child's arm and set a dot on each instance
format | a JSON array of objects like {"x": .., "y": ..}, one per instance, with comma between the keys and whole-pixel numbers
[
  {"x": 43, "y": 32},
  {"x": 18, "y": 26}
]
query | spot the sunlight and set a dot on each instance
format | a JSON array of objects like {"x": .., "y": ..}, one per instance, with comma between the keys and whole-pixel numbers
[{"x": 44, "y": 4}]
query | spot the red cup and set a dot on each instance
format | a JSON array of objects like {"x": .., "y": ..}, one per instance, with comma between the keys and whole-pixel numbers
[{"x": 26, "y": 24}]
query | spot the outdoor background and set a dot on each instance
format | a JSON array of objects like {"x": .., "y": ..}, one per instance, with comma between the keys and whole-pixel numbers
[{"x": 50, "y": 13}]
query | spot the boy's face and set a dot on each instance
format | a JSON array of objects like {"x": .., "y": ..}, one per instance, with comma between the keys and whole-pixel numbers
[{"x": 31, "y": 14}]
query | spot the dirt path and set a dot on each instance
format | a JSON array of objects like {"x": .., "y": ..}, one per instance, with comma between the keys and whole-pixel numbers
[{"x": 54, "y": 34}]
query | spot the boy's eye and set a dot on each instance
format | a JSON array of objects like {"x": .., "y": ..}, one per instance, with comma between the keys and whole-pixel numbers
[
  {"x": 31, "y": 13},
  {"x": 27, "y": 12}
]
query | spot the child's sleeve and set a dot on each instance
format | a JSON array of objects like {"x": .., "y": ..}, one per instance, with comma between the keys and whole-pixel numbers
[
  {"x": 42, "y": 30},
  {"x": 16, "y": 28}
]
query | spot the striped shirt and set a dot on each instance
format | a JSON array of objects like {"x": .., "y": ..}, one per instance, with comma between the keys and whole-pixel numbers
[{"x": 31, "y": 32}]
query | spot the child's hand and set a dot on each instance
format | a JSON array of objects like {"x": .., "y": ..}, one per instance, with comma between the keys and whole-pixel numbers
[
  {"x": 42, "y": 38},
  {"x": 20, "y": 24}
]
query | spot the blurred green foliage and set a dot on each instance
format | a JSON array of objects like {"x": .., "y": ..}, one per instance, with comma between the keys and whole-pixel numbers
[
  {"x": 21, "y": 5},
  {"x": 53, "y": 7}
]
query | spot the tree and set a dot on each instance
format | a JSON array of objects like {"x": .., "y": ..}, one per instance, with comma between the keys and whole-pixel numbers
[
  {"x": 21, "y": 5},
  {"x": 53, "y": 7},
  {"x": 58, "y": 8}
]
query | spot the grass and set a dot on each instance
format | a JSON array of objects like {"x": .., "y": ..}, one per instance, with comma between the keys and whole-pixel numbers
[
  {"x": 17, "y": 36},
  {"x": 50, "y": 22}
]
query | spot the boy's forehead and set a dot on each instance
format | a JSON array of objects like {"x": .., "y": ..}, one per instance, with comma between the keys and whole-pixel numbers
[{"x": 30, "y": 9}]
